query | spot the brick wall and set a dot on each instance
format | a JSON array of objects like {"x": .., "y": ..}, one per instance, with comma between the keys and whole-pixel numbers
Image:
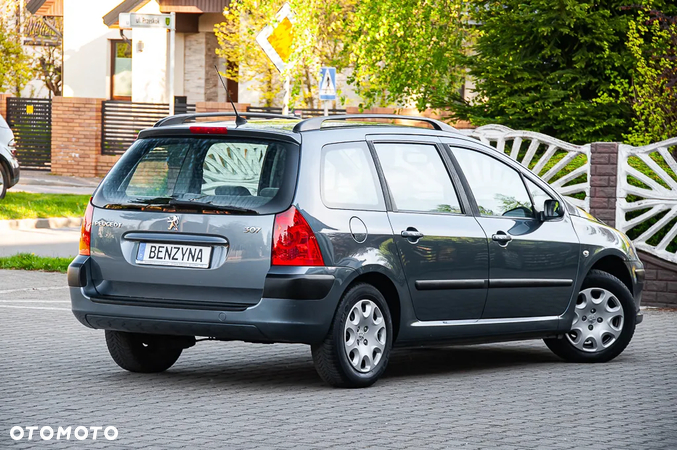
[
  {"x": 3, "y": 105},
  {"x": 200, "y": 80},
  {"x": 76, "y": 137},
  {"x": 203, "y": 107},
  {"x": 661, "y": 282}
]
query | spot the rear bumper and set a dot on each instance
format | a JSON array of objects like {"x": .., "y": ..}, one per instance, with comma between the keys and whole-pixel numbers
[{"x": 292, "y": 320}]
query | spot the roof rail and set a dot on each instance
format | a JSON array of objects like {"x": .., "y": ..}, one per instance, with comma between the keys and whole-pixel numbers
[
  {"x": 181, "y": 118},
  {"x": 315, "y": 123}
]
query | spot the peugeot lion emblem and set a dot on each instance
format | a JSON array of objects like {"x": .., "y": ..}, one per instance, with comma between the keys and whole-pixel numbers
[{"x": 173, "y": 223}]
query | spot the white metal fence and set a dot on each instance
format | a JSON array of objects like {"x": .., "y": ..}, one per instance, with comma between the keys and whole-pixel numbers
[
  {"x": 643, "y": 198},
  {"x": 565, "y": 166}
]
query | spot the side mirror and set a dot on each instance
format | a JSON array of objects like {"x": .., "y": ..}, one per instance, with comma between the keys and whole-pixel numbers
[{"x": 552, "y": 209}]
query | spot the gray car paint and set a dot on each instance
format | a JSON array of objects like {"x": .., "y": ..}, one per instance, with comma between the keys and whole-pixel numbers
[{"x": 305, "y": 321}]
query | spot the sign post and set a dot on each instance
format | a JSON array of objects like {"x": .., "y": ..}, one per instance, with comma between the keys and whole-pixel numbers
[
  {"x": 129, "y": 21},
  {"x": 172, "y": 59},
  {"x": 276, "y": 41},
  {"x": 327, "y": 87}
]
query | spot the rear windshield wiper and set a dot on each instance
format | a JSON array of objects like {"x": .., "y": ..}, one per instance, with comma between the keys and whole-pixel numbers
[
  {"x": 209, "y": 205},
  {"x": 169, "y": 201}
]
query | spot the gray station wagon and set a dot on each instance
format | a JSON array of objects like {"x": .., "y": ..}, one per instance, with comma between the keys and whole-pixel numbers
[{"x": 352, "y": 234}]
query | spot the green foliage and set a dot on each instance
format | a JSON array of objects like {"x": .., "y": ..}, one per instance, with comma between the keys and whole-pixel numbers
[
  {"x": 652, "y": 40},
  {"x": 29, "y": 261},
  {"x": 22, "y": 205},
  {"x": 15, "y": 66},
  {"x": 550, "y": 66},
  {"x": 404, "y": 50}
]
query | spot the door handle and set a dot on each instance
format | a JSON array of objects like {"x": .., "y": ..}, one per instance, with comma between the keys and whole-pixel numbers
[
  {"x": 502, "y": 238},
  {"x": 412, "y": 234}
]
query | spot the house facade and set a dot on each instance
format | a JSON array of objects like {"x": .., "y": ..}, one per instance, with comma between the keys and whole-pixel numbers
[{"x": 102, "y": 61}]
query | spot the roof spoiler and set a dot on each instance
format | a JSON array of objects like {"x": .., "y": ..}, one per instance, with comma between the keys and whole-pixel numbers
[{"x": 181, "y": 118}]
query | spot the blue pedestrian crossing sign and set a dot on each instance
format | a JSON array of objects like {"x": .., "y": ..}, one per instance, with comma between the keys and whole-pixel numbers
[{"x": 328, "y": 83}]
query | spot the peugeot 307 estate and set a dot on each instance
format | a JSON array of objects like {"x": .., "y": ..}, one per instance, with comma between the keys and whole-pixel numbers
[{"x": 351, "y": 234}]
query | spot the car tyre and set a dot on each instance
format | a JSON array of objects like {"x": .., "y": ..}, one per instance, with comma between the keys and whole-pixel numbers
[
  {"x": 142, "y": 353},
  {"x": 598, "y": 335},
  {"x": 355, "y": 352},
  {"x": 4, "y": 181}
]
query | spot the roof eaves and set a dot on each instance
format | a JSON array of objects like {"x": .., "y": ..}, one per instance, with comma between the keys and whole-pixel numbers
[
  {"x": 34, "y": 5},
  {"x": 112, "y": 17}
]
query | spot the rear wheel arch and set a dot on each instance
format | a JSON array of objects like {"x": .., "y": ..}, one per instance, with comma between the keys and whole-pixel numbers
[{"x": 387, "y": 287}]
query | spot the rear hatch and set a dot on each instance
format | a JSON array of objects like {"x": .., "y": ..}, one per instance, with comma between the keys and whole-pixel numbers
[{"x": 187, "y": 221}]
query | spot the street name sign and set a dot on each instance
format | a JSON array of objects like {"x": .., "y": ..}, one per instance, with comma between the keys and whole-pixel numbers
[
  {"x": 128, "y": 21},
  {"x": 328, "y": 83}
]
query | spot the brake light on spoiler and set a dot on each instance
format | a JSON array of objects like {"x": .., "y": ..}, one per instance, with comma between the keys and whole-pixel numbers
[{"x": 209, "y": 130}]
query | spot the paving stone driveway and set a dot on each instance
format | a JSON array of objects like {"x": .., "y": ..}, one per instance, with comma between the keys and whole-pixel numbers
[{"x": 224, "y": 395}]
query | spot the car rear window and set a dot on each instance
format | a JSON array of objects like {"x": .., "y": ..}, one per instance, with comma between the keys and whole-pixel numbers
[{"x": 255, "y": 176}]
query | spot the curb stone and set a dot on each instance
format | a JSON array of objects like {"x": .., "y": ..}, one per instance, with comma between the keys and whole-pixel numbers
[{"x": 31, "y": 224}]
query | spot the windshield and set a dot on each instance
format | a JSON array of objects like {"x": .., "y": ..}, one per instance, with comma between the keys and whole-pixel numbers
[{"x": 214, "y": 174}]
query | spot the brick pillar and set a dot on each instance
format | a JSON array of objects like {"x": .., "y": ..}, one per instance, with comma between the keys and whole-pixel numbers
[
  {"x": 3, "y": 105},
  {"x": 76, "y": 136},
  {"x": 603, "y": 180}
]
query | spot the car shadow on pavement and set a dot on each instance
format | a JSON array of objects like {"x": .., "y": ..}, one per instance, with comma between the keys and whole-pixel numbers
[
  {"x": 457, "y": 359},
  {"x": 296, "y": 369}
]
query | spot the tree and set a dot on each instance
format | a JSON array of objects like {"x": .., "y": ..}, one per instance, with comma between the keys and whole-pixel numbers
[
  {"x": 48, "y": 68},
  {"x": 652, "y": 40},
  {"x": 551, "y": 66},
  {"x": 317, "y": 29},
  {"x": 408, "y": 50},
  {"x": 15, "y": 65}
]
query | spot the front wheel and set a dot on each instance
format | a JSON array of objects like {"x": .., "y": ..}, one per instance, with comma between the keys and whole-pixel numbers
[
  {"x": 604, "y": 324},
  {"x": 144, "y": 353},
  {"x": 356, "y": 350}
]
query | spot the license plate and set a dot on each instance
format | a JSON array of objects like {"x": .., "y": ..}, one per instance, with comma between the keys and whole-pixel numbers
[{"x": 174, "y": 255}]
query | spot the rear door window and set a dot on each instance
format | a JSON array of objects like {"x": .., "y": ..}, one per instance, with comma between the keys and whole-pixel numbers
[
  {"x": 417, "y": 178},
  {"x": 254, "y": 175},
  {"x": 349, "y": 179}
]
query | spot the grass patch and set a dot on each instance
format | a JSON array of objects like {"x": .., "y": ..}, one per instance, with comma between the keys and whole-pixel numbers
[
  {"x": 23, "y": 205},
  {"x": 29, "y": 261}
]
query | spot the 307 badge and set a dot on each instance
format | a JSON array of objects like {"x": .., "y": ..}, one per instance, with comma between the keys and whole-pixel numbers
[{"x": 252, "y": 229}]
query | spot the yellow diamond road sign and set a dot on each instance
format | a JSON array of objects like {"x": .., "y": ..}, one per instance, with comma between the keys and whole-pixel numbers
[{"x": 276, "y": 40}]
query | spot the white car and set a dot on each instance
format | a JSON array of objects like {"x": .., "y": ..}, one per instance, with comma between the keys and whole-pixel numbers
[{"x": 9, "y": 165}]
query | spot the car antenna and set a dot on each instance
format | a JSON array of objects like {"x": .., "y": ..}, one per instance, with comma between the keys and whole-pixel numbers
[{"x": 239, "y": 120}]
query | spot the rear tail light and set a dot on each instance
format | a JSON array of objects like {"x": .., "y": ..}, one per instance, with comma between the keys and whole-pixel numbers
[
  {"x": 86, "y": 230},
  {"x": 294, "y": 243}
]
